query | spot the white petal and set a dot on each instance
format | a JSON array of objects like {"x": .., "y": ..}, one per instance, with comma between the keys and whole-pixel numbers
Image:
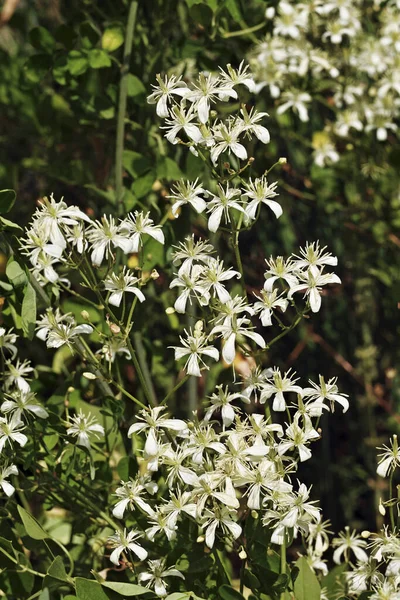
[{"x": 228, "y": 351}]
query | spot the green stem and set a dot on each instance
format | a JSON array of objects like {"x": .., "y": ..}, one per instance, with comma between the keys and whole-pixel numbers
[
  {"x": 123, "y": 94},
  {"x": 23, "y": 568},
  {"x": 141, "y": 353},
  {"x": 174, "y": 389},
  {"x": 391, "y": 512},
  {"x": 287, "y": 330},
  {"x": 283, "y": 563},
  {"x": 229, "y": 34}
]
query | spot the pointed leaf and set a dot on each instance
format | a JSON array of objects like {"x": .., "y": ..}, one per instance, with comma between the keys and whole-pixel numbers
[
  {"x": 306, "y": 586},
  {"x": 7, "y": 199},
  {"x": 32, "y": 527}
]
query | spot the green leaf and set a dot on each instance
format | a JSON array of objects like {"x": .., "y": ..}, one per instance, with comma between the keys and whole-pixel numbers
[
  {"x": 168, "y": 169},
  {"x": 32, "y": 527},
  {"x": 233, "y": 7},
  {"x": 306, "y": 586},
  {"x": 332, "y": 581},
  {"x": 226, "y": 592},
  {"x": 28, "y": 311},
  {"x": 44, "y": 594},
  {"x": 56, "y": 574},
  {"x": 15, "y": 273},
  {"x": 41, "y": 39},
  {"x": 136, "y": 164},
  {"x": 77, "y": 62},
  {"x": 89, "y": 35},
  {"x": 142, "y": 185},
  {"x": 99, "y": 59},
  {"x": 134, "y": 86},
  {"x": 9, "y": 224},
  {"x": 7, "y": 199},
  {"x": 87, "y": 589},
  {"x": 127, "y": 467},
  {"x": 125, "y": 589},
  {"x": 37, "y": 67},
  {"x": 112, "y": 38}
]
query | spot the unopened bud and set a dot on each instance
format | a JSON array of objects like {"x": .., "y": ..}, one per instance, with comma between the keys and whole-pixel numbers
[
  {"x": 115, "y": 328},
  {"x": 198, "y": 328},
  {"x": 243, "y": 554},
  {"x": 89, "y": 375},
  {"x": 154, "y": 274},
  {"x": 70, "y": 389},
  {"x": 200, "y": 539},
  {"x": 381, "y": 508},
  {"x": 365, "y": 534},
  {"x": 251, "y": 160},
  {"x": 270, "y": 12},
  {"x": 254, "y": 514},
  {"x": 85, "y": 315},
  {"x": 170, "y": 310},
  {"x": 282, "y": 160},
  {"x": 157, "y": 186}
]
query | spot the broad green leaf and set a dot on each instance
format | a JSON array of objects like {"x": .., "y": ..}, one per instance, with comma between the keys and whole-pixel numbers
[
  {"x": 127, "y": 467},
  {"x": 56, "y": 574},
  {"x": 134, "y": 85},
  {"x": 7, "y": 199},
  {"x": 226, "y": 592},
  {"x": 142, "y": 185},
  {"x": 125, "y": 589},
  {"x": 306, "y": 586},
  {"x": 41, "y": 39},
  {"x": 32, "y": 526},
  {"x": 87, "y": 589},
  {"x": 332, "y": 581},
  {"x": 15, "y": 274},
  {"x": 28, "y": 311},
  {"x": 168, "y": 169},
  {"x": 77, "y": 62},
  {"x": 136, "y": 164},
  {"x": 112, "y": 38},
  {"x": 99, "y": 59},
  {"x": 44, "y": 594}
]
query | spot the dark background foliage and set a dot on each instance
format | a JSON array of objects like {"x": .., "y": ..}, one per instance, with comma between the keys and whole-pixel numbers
[{"x": 60, "y": 66}]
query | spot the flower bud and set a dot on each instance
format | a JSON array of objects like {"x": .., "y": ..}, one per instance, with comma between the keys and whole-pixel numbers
[
  {"x": 365, "y": 534},
  {"x": 270, "y": 12},
  {"x": 243, "y": 554},
  {"x": 115, "y": 329},
  {"x": 89, "y": 375},
  {"x": 381, "y": 508},
  {"x": 170, "y": 310},
  {"x": 282, "y": 160},
  {"x": 85, "y": 315},
  {"x": 200, "y": 539},
  {"x": 154, "y": 274}
]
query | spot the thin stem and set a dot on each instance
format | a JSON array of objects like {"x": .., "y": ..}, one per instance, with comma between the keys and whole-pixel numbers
[
  {"x": 141, "y": 353},
  {"x": 283, "y": 563},
  {"x": 287, "y": 330},
  {"x": 391, "y": 511},
  {"x": 174, "y": 389},
  {"x": 229, "y": 34},
  {"x": 23, "y": 567},
  {"x": 123, "y": 94}
]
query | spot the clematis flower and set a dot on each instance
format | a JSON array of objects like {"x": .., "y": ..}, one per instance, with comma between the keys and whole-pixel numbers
[
  {"x": 126, "y": 541},
  {"x": 138, "y": 224},
  {"x": 83, "y": 427},
  {"x": 194, "y": 347},
  {"x": 312, "y": 284},
  {"x": 5, "y": 472},
  {"x": 156, "y": 574},
  {"x": 120, "y": 284},
  {"x": 164, "y": 92},
  {"x": 152, "y": 421}
]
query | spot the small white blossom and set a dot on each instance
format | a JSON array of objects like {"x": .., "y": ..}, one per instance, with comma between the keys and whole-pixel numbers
[
  {"x": 120, "y": 284},
  {"x": 126, "y": 541},
  {"x": 83, "y": 427}
]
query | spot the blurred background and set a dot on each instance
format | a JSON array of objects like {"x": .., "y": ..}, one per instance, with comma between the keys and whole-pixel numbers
[{"x": 328, "y": 80}]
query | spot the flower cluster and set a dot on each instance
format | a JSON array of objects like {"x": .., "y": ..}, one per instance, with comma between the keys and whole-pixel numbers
[{"x": 333, "y": 42}]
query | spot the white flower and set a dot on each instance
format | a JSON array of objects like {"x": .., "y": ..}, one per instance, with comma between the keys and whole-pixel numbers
[
  {"x": 221, "y": 517},
  {"x": 103, "y": 235},
  {"x": 206, "y": 91},
  {"x": 17, "y": 375},
  {"x": 219, "y": 205},
  {"x": 349, "y": 541},
  {"x": 186, "y": 192},
  {"x": 83, "y": 427},
  {"x": 389, "y": 459},
  {"x": 226, "y": 138},
  {"x": 277, "y": 386},
  {"x": 153, "y": 420},
  {"x": 120, "y": 284},
  {"x": 326, "y": 391},
  {"x": 5, "y": 472},
  {"x": 10, "y": 431},
  {"x": 190, "y": 251},
  {"x": 212, "y": 277},
  {"x": 222, "y": 400},
  {"x": 164, "y": 91},
  {"x": 130, "y": 493},
  {"x": 229, "y": 332},
  {"x": 312, "y": 284},
  {"x": 52, "y": 216},
  {"x": 7, "y": 342},
  {"x": 190, "y": 279},
  {"x": 260, "y": 192},
  {"x": 136, "y": 226},
  {"x": 65, "y": 333},
  {"x": 267, "y": 302},
  {"x": 279, "y": 269},
  {"x": 181, "y": 119},
  {"x": 297, "y": 101},
  {"x": 112, "y": 347},
  {"x": 37, "y": 244},
  {"x": 239, "y": 76},
  {"x": 76, "y": 236},
  {"x": 250, "y": 124},
  {"x": 194, "y": 347},
  {"x": 156, "y": 575},
  {"x": 313, "y": 257},
  {"x": 160, "y": 523},
  {"x": 126, "y": 541},
  {"x": 20, "y": 402},
  {"x": 298, "y": 437}
]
